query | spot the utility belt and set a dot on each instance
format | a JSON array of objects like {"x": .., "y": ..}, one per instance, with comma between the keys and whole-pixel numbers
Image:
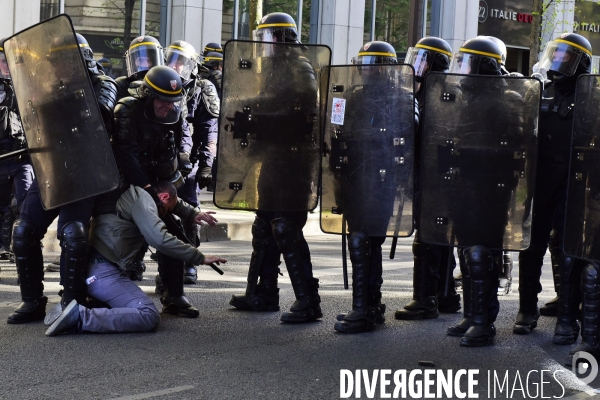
[{"x": 95, "y": 256}]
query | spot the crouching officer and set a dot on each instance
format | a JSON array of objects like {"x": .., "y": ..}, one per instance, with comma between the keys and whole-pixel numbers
[{"x": 150, "y": 133}]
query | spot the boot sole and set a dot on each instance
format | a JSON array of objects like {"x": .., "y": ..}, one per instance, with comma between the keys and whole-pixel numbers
[
  {"x": 243, "y": 306},
  {"x": 299, "y": 320},
  {"x": 172, "y": 310},
  {"x": 524, "y": 329},
  {"x": 564, "y": 339}
]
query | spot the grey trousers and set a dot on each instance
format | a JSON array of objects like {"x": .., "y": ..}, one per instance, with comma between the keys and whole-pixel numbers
[{"x": 131, "y": 310}]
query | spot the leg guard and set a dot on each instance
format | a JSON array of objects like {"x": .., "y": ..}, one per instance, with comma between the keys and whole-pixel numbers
[
  {"x": 590, "y": 332},
  {"x": 567, "y": 328},
  {"x": 461, "y": 328},
  {"x": 75, "y": 246},
  {"x": 424, "y": 303},
  {"x": 263, "y": 296},
  {"x": 307, "y": 305},
  {"x": 483, "y": 281},
  {"x": 362, "y": 317},
  {"x": 550, "y": 309},
  {"x": 28, "y": 257}
]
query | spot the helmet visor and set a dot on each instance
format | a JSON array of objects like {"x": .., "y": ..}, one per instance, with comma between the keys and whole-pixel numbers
[
  {"x": 142, "y": 57},
  {"x": 4, "y": 72},
  {"x": 180, "y": 62},
  {"x": 374, "y": 60},
  {"x": 418, "y": 59},
  {"x": 465, "y": 63},
  {"x": 561, "y": 57},
  {"x": 163, "y": 110}
]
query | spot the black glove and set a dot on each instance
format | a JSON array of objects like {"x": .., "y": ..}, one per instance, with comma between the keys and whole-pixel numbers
[
  {"x": 185, "y": 166},
  {"x": 154, "y": 195},
  {"x": 204, "y": 178}
]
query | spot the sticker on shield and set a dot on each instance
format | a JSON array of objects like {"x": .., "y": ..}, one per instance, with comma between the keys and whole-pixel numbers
[{"x": 337, "y": 111}]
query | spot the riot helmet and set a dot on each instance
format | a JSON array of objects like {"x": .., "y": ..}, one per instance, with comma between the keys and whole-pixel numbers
[
  {"x": 568, "y": 55},
  {"x": 276, "y": 27},
  {"x": 477, "y": 56},
  {"x": 430, "y": 54},
  {"x": 212, "y": 47},
  {"x": 162, "y": 83},
  {"x": 144, "y": 53},
  {"x": 106, "y": 65},
  {"x": 84, "y": 48},
  {"x": 213, "y": 59},
  {"x": 501, "y": 45},
  {"x": 181, "y": 56},
  {"x": 376, "y": 53},
  {"x": 4, "y": 72}
]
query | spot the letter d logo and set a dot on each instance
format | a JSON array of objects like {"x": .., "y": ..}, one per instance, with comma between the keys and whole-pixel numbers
[{"x": 590, "y": 367}]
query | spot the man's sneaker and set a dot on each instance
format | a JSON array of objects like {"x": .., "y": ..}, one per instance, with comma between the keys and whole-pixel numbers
[{"x": 67, "y": 322}]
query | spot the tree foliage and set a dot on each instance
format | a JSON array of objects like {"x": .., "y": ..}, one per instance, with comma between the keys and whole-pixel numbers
[{"x": 391, "y": 22}]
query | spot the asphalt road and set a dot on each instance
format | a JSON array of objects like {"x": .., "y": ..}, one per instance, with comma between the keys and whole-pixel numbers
[{"x": 229, "y": 354}]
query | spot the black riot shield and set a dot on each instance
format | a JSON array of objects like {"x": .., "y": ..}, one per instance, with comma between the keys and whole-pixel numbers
[
  {"x": 582, "y": 226},
  {"x": 270, "y": 126},
  {"x": 68, "y": 144},
  {"x": 478, "y": 160},
  {"x": 368, "y": 157}
]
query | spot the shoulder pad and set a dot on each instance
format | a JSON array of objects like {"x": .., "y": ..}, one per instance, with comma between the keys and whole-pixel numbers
[
  {"x": 210, "y": 97},
  {"x": 105, "y": 89},
  {"x": 125, "y": 106}
]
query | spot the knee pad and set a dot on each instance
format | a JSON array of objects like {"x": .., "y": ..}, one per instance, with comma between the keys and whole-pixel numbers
[
  {"x": 285, "y": 232},
  {"x": 23, "y": 237},
  {"x": 359, "y": 241},
  {"x": 260, "y": 234},
  {"x": 479, "y": 261},
  {"x": 74, "y": 240}
]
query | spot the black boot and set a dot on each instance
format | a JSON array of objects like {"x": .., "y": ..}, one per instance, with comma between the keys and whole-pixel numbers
[
  {"x": 424, "y": 302},
  {"x": 30, "y": 269},
  {"x": 530, "y": 264},
  {"x": 362, "y": 316},
  {"x": 590, "y": 327},
  {"x": 307, "y": 305},
  {"x": 75, "y": 247},
  {"x": 550, "y": 309},
  {"x": 173, "y": 299},
  {"x": 461, "y": 328},
  {"x": 136, "y": 270},
  {"x": 263, "y": 296},
  {"x": 567, "y": 328},
  {"x": 480, "y": 264}
]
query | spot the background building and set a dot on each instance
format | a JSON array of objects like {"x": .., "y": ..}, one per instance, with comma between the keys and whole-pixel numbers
[{"x": 343, "y": 25}]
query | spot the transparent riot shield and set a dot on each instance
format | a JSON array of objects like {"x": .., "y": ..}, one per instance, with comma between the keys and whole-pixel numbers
[
  {"x": 582, "y": 226},
  {"x": 270, "y": 126},
  {"x": 368, "y": 157},
  {"x": 68, "y": 144},
  {"x": 479, "y": 144}
]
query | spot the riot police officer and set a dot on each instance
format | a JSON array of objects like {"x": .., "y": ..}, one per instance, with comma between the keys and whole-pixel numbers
[
  {"x": 430, "y": 54},
  {"x": 564, "y": 59},
  {"x": 106, "y": 65},
  {"x": 466, "y": 197},
  {"x": 144, "y": 53},
  {"x": 17, "y": 172},
  {"x": 280, "y": 232},
  {"x": 152, "y": 141},
  {"x": 73, "y": 219},
  {"x": 378, "y": 104},
  {"x": 212, "y": 47},
  {"x": 202, "y": 105},
  {"x": 214, "y": 62}
]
